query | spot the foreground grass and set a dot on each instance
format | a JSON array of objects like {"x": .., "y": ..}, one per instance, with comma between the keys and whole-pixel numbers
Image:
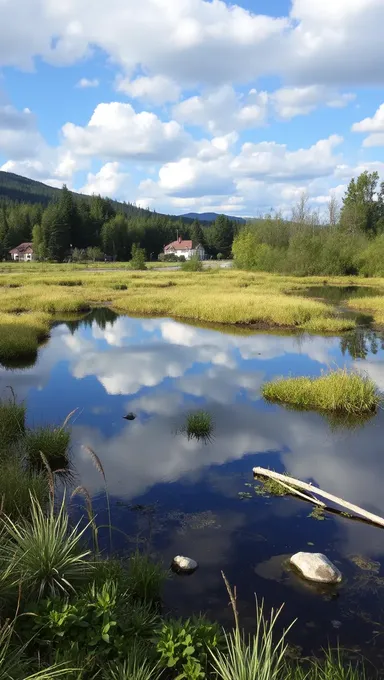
[
  {"x": 338, "y": 391},
  {"x": 198, "y": 425}
]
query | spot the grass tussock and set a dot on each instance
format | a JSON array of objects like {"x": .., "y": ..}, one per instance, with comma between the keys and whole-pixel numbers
[
  {"x": 371, "y": 305},
  {"x": 12, "y": 421},
  {"x": 18, "y": 483},
  {"x": 338, "y": 391},
  {"x": 52, "y": 442},
  {"x": 198, "y": 425},
  {"x": 145, "y": 578}
]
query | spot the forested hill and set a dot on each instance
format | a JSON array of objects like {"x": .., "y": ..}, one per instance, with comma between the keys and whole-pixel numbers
[{"x": 24, "y": 190}]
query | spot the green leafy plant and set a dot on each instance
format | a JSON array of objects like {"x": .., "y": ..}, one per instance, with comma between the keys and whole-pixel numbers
[
  {"x": 44, "y": 555},
  {"x": 184, "y": 646}
]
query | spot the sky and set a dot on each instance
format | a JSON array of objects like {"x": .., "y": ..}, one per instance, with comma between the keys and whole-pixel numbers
[{"x": 193, "y": 105}]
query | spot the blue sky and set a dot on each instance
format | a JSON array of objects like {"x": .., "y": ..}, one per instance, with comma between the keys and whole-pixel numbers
[{"x": 184, "y": 105}]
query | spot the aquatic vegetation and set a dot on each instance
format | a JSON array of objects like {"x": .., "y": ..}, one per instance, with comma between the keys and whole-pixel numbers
[
  {"x": 270, "y": 487},
  {"x": 44, "y": 555},
  {"x": 338, "y": 390},
  {"x": 52, "y": 442},
  {"x": 198, "y": 425}
]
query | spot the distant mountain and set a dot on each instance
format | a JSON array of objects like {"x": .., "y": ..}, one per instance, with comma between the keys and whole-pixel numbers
[
  {"x": 24, "y": 190},
  {"x": 210, "y": 217}
]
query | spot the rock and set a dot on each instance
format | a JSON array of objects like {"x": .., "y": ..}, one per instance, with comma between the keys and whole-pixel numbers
[
  {"x": 130, "y": 416},
  {"x": 316, "y": 567},
  {"x": 184, "y": 565}
]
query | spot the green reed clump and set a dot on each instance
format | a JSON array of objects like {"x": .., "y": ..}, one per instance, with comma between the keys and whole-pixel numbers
[
  {"x": 12, "y": 421},
  {"x": 69, "y": 283},
  {"x": 52, "y": 442},
  {"x": 339, "y": 391},
  {"x": 198, "y": 425}
]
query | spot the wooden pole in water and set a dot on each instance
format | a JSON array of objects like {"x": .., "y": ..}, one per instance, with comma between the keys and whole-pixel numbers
[{"x": 284, "y": 480}]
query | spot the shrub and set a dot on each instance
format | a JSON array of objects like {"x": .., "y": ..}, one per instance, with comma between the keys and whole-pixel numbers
[
  {"x": 12, "y": 421},
  {"x": 43, "y": 554},
  {"x": 119, "y": 286},
  {"x": 52, "y": 442},
  {"x": 145, "y": 578},
  {"x": 69, "y": 283},
  {"x": 192, "y": 265},
  {"x": 138, "y": 258},
  {"x": 198, "y": 425},
  {"x": 338, "y": 390},
  {"x": 184, "y": 646}
]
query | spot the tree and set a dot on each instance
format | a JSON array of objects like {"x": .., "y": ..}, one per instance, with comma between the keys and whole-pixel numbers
[
  {"x": 362, "y": 204},
  {"x": 39, "y": 247},
  {"x": 4, "y": 233},
  {"x": 114, "y": 237},
  {"x": 56, "y": 232},
  {"x": 197, "y": 234},
  {"x": 222, "y": 235},
  {"x": 333, "y": 210}
]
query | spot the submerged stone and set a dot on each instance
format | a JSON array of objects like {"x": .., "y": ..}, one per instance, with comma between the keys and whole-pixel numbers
[
  {"x": 316, "y": 567},
  {"x": 130, "y": 416},
  {"x": 184, "y": 565}
]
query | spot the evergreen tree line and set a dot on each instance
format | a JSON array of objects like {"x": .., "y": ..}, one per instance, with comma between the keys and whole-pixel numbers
[
  {"x": 350, "y": 242},
  {"x": 71, "y": 227}
]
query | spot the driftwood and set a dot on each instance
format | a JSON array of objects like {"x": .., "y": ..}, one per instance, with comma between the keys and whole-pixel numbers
[{"x": 297, "y": 484}]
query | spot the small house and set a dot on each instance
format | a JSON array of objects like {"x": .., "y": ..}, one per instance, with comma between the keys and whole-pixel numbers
[
  {"x": 23, "y": 253},
  {"x": 186, "y": 248}
]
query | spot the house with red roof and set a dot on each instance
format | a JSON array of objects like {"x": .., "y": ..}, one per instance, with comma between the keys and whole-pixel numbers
[
  {"x": 186, "y": 248},
  {"x": 23, "y": 253}
]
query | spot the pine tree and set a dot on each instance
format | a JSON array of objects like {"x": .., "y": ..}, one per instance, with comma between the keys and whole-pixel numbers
[
  {"x": 222, "y": 235},
  {"x": 197, "y": 234},
  {"x": 4, "y": 233}
]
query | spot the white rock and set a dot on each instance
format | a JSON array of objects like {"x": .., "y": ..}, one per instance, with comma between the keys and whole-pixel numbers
[
  {"x": 316, "y": 567},
  {"x": 185, "y": 564}
]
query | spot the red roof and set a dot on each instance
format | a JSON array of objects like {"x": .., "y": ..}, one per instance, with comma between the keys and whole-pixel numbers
[
  {"x": 22, "y": 248},
  {"x": 179, "y": 245}
]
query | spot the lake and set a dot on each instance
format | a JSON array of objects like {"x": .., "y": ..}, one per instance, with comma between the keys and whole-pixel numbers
[{"x": 171, "y": 495}]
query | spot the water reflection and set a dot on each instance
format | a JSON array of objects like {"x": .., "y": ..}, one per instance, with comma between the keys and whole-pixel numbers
[{"x": 181, "y": 496}]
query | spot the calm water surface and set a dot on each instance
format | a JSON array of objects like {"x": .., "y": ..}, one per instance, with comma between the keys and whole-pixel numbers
[{"x": 174, "y": 496}]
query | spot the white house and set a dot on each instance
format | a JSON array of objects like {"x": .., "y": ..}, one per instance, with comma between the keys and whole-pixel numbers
[
  {"x": 182, "y": 247},
  {"x": 23, "y": 253}
]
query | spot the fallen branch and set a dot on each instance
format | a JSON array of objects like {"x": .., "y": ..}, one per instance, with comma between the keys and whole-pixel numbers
[
  {"x": 296, "y": 492},
  {"x": 283, "y": 479}
]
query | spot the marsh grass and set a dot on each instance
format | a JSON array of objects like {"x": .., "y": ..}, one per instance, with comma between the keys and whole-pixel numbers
[
  {"x": 21, "y": 334},
  {"x": 334, "y": 666},
  {"x": 198, "y": 425},
  {"x": 52, "y": 442},
  {"x": 213, "y": 296},
  {"x": 336, "y": 390},
  {"x": 145, "y": 578},
  {"x": 17, "y": 483},
  {"x": 43, "y": 555},
  {"x": 12, "y": 421}
]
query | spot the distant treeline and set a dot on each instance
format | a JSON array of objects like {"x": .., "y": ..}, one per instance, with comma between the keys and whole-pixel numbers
[
  {"x": 350, "y": 242},
  {"x": 72, "y": 224}
]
